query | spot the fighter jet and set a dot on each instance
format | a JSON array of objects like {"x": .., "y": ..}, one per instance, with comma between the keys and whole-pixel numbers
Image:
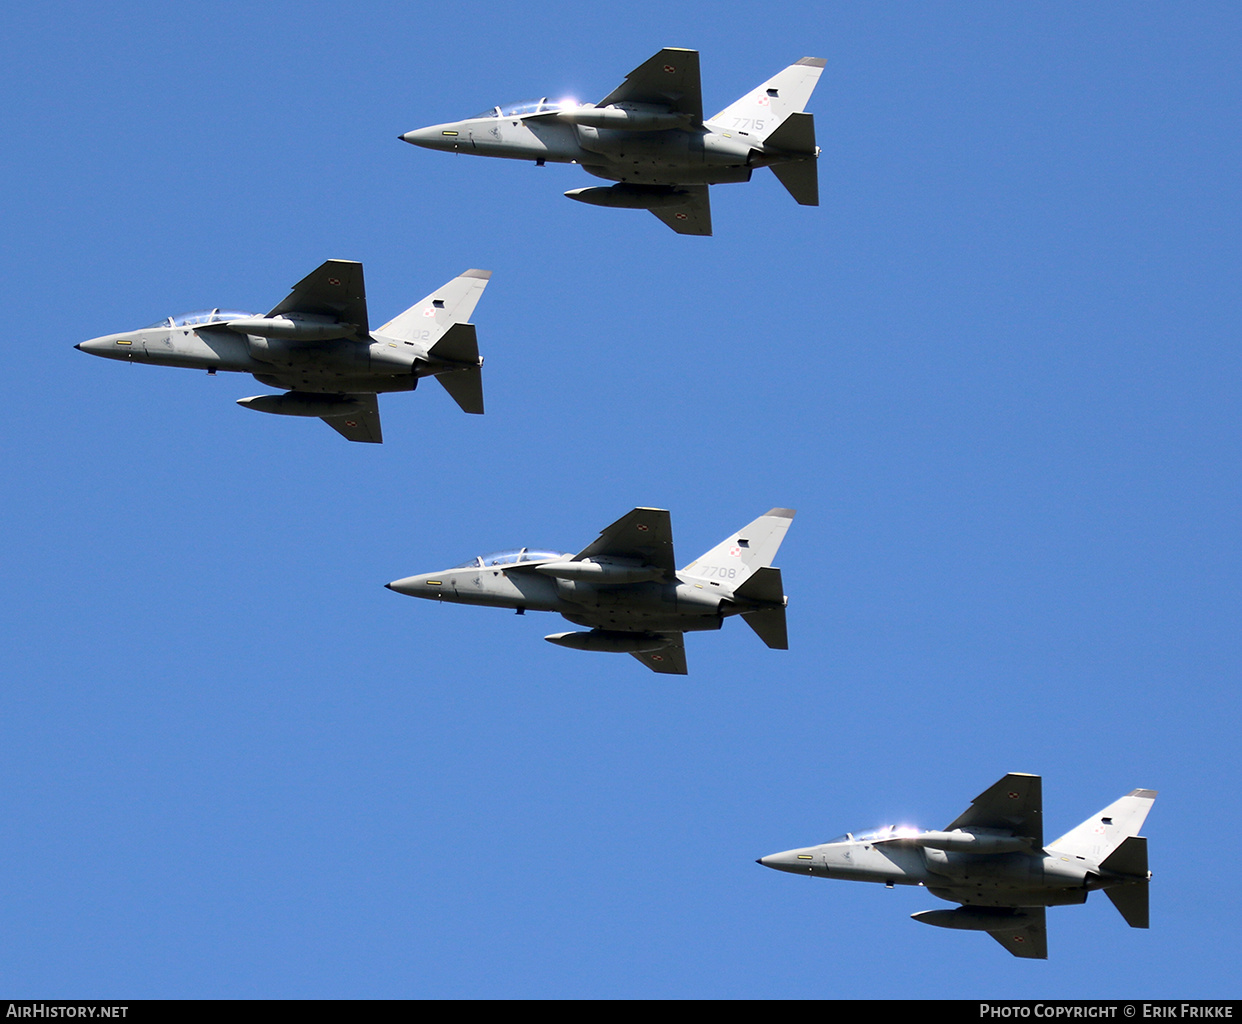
[
  {"x": 318, "y": 346},
  {"x": 626, "y": 588},
  {"x": 649, "y": 135},
  {"x": 992, "y": 860}
]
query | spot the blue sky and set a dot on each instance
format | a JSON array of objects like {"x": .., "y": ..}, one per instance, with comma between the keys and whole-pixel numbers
[{"x": 996, "y": 372}]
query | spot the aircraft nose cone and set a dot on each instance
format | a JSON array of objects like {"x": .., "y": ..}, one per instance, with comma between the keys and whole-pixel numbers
[
  {"x": 98, "y": 346},
  {"x": 787, "y": 861},
  {"x": 417, "y": 586},
  {"x": 437, "y": 136}
]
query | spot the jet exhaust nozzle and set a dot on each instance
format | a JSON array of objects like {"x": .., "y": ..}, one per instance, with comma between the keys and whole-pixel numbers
[
  {"x": 302, "y": 404},
  {"x": 608, "y": 641},
  {"x": 630, "y": 197},
  {"x": 973, "y": 919}
]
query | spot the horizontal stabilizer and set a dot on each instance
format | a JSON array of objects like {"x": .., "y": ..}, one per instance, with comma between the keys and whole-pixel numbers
[
  {"x": 796, "y": 134},
  {"x": 769, "y": 623},
  {"x": 1131, "y": 901},
  {"x": 801, "y": 180},
  {"x": 764, "y": 585},
  {"x": 1130, "y": 858},
  {"x": 465, "y": 386},
  {"x": 459, "y": 344}
]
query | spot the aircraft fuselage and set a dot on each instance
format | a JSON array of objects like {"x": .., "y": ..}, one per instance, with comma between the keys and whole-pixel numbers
[
  {"x": 706, "y": 155},
  {"x": 1036, "y": 878},
  {"x": 631, "y": 607},
  {"x": 330, "y": 366}
]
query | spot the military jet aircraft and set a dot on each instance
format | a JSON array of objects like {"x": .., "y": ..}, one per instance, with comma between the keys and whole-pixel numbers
[
  {"x": 992, "y": 860},
  {"x": 317, "y": 345},
  {"x": 626, "y": 587},
  {"x": 649, "y": 135}
]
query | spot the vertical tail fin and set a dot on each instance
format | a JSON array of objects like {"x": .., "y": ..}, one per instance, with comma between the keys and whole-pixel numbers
[
  {"x": 761, "y": 110},
  {"x": 427, "y": 321},
  {"x": 438, "y": 324},
  {"x": 735, "y": 559},
  {"x": 1101, "y": 834}
]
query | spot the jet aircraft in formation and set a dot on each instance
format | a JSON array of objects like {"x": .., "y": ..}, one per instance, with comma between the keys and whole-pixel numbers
[
  {"x": 992, "y": 860},
  {"x": 317, "y": 345},
  {"x": 649, "y": 135},
  {"x": 626, "y": 587}
]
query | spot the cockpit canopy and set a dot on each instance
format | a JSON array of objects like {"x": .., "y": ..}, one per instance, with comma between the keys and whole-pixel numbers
[
  {"x": 202, "y": 316},
  {"x": 872, "y": 835},
  {"x": 523, "y": 107},
  {"x": 511, "y": 556}
]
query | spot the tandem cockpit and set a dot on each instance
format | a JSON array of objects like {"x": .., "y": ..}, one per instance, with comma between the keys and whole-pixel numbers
[
  {"x": 876, "y": 834},
  {"x": 202, "y": 317},
  {"x": 524, "y": 107},
  {"x": 511, "y": 557}
]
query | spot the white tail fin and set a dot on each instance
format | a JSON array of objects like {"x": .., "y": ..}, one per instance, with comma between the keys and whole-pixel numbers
[
  {"x": 734, "y": 560},
  {"x": 762, "y": 110},
  {"x": 426, "y": 322},
  {"x": 1102, "y": 833}
]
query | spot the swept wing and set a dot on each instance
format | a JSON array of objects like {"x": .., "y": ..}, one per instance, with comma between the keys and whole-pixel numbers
[
  {"x": 362, "y": 425},
  {"x": 670, "y": 660},
  {"x": 670, "y": 78},
  {"x": 1014, "y": 804},
  {"x": 1027, "y": 937},
  {"x": 645, "y": 534},
  {"x": 694, "y": 217},
  {"x": 335, "y": 289}
]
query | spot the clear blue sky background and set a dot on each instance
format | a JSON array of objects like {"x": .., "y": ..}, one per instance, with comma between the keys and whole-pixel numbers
[{"x": 996, "y": 372}]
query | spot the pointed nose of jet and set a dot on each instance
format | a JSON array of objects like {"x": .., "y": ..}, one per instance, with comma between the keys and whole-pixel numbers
[
  {"x": 438, "y": 136},
  {"x": 797, "y": 861},
  {"x": 105, "y": 346},
  {"x": 429, "y": 585}
]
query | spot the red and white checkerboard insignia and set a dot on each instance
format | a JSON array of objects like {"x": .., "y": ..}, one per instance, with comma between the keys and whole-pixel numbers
[
  {"x": 735, "y": 551},
  {"x": 1013, "y": 795},
  {"x": 643, "y": 526},
  {"x": 429, "y": 311},
  {"x": 682, "y": 216},
  {"x": 669, "y": 68},
  {"x": 334, "y": 280},
  {"x": 351, "y": 423}
]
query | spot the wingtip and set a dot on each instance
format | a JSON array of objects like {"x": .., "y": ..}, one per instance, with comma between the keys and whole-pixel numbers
[
  {"x": 813, "y": 62},
  {"x": 482, "y": 275},
  {"x": 782, "y": 513}
]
